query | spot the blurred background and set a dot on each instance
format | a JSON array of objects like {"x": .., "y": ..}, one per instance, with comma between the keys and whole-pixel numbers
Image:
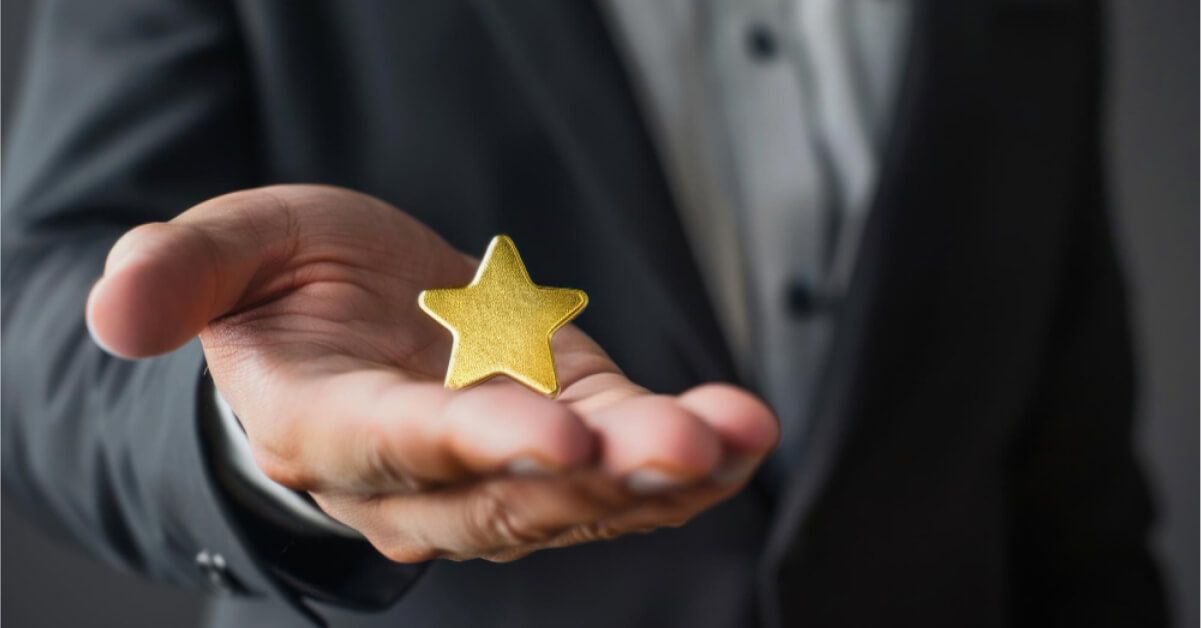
[{"x": 1153, "y": 141}]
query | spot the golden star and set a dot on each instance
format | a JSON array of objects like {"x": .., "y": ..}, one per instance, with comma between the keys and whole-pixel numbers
[{"x": 502, "y": 322}]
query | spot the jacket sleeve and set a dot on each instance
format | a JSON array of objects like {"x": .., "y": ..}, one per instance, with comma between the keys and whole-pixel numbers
[
  {"x": 1082, "y": 508},
  {"x": 130, "y": 112}
]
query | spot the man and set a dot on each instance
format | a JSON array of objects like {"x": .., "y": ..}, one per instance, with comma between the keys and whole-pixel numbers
[{"x": 886, "y": 218}]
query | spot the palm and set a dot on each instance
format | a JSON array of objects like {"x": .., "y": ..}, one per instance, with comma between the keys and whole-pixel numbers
[{"x": 346, "y": 302}]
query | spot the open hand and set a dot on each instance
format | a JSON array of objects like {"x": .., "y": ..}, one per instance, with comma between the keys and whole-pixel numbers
[{"x": 305, "y": 300}]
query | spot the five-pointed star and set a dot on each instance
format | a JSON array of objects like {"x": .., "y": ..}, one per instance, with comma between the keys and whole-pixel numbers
[{"x": 502, "y": 322}]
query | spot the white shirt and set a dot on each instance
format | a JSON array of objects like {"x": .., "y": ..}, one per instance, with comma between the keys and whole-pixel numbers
[{"x": 769, "y": 118}]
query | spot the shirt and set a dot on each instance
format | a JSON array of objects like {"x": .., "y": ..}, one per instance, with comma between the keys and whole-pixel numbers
[{"x": 769, "y": 117}]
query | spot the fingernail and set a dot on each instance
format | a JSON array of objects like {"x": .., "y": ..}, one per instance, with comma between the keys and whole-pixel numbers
[
  {"x": 121, "y": 254},
  {"x": 651, "y": 481},
  {"x": 87, "y": 320},
  {"x": 734, "y": 471},
  {"x": 527, "y": 466}
]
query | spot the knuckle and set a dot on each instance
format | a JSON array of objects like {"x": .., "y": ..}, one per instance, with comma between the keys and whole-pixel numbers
[
  {"x": 383, "y": 466},
  {"x": 497, "y": 524},
  {"x": 597, "y": 531}
]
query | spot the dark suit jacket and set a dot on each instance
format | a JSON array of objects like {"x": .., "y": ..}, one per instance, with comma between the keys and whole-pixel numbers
[{"x": 970, "y": 461}]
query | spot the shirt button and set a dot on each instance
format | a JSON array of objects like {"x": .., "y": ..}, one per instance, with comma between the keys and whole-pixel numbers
[
  {"x": 761, "y": 42},
  {"x": 799, "y": 298},
  {"x": 213, "y": 566}
]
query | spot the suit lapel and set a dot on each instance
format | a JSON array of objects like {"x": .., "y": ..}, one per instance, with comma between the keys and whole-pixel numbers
[
  {"x": 564, "y": 59},
  {"x": 906, "y": 234}
]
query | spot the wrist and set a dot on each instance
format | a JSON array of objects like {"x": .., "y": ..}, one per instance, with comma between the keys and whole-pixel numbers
[{"x": 234, "y": 452}]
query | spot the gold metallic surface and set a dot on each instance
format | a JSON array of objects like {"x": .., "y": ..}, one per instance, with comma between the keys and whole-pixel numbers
[{"x": 502, "y": 322}]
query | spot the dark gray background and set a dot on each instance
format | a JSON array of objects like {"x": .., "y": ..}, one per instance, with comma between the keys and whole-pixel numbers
[{"x": 1153, "y": 137}]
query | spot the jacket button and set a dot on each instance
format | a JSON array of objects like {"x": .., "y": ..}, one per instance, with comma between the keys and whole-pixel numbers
[
  {"x": 213, "y": 566},
  {"x": 761, "y": 42},
  {"x": 800, "y": 299}
]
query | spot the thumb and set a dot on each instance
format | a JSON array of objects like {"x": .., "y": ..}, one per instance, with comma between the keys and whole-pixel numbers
[{"x": 164, "y": 282}]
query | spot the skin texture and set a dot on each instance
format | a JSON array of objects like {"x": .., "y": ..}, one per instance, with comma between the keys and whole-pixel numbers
[{"x": 305, "y": 301}]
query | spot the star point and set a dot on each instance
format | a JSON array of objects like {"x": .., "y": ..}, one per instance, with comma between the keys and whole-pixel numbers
[{"x": 502, "y": 322}]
